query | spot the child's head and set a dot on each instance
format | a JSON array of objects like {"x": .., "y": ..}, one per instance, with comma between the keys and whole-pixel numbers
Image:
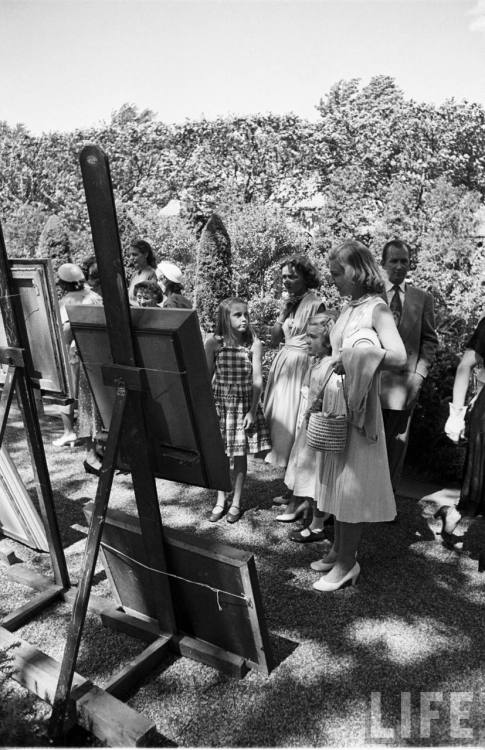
[
  {"x": 233, "y": 321},
  {"x": 318, "y": 333},
  {"x": 148, "y": 293},
  {"x": 353, "y": 265}
]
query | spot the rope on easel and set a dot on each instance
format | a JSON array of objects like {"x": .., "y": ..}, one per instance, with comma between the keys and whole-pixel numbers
[
  {"x": 10, "y": 296},
  {"x": 180, "y": 578},
  {"x": 91, "y": 363}
]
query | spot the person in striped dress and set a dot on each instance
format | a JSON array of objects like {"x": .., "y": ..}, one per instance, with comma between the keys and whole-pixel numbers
[{"x": 234, "y": 355}]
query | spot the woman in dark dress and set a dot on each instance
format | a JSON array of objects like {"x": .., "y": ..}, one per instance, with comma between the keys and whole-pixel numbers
[{"x": 468, "y": 422}]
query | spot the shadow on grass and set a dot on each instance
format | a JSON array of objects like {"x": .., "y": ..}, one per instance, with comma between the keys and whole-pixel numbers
[{"x": 414, "y": 623}]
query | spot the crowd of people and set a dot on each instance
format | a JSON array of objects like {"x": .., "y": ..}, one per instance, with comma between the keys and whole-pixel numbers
[
  {"x": 150, "y": 285},
  {"x": 357, "y": 371}
]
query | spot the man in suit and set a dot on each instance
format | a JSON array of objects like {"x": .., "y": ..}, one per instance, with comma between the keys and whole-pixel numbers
[{"x": 413, "y": 312}]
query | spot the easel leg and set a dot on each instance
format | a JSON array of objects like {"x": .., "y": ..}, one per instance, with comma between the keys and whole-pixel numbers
[
  {"x": 41, "y": 478},
  {"x": 89, "y": 563},
  {"x": 148, "y": 508},
  {"x": 6, "y": 399}
]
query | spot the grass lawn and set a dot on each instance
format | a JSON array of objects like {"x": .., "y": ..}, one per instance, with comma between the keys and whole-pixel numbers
[{"x": 415, "y": 624}]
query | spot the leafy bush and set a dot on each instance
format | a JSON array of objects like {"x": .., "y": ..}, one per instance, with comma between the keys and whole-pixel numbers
[{"x": 213, "y": 281}]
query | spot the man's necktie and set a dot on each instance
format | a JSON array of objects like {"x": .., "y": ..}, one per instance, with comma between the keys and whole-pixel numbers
[{"x": 396, "y": 304}]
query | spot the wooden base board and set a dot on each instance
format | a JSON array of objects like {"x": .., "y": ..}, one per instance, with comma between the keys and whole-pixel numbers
[
  {"x": 92, "y": 708},
  {"x": 184, "y": 645},
  {"x": 95, "y": 709}
]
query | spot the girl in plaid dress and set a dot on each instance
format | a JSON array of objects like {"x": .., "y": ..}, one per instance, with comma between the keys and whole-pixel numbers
[{"x": 234, "y": 361}]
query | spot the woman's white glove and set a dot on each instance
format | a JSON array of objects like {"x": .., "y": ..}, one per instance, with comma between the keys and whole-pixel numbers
[{"x": 455, "y": 424}]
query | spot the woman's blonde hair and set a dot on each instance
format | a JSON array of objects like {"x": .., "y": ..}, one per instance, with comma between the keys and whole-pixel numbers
[
  {"x": 325, "y": 321},
  {"x": 359, "y": 265}
]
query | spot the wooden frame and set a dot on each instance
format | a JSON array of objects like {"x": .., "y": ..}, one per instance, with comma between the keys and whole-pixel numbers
[
  {"x": 214, "y": 588},
  {"x": 184, "y": 439},
  {"x": 17, "y": 358},
  {"x": 33, "y": 280}
]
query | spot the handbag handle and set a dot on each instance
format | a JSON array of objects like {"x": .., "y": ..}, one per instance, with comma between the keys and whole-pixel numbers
[{"x": 322, "y": 389}]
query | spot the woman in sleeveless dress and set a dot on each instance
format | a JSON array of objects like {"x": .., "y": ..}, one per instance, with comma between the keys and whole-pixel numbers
[
  {"x": 469, "y": 423},
  {"x": 355, "y": 485},
  {"x": 289, "y": 367}
]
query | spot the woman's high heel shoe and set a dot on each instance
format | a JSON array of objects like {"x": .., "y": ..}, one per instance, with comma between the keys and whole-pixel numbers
[
  {"x": 351, "y": 577},
  {"x": 89, "y": 469},
  {"x": 70, "y": 438},
  {"x": 450, "y": 518},
  {"x": 301, "y": 510}
]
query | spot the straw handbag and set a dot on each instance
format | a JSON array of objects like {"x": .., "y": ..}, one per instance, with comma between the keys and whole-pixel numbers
[{"x": 328, "y": 432}]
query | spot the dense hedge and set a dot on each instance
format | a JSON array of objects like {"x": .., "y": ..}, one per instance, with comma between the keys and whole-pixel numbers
[{"x": 373, "y": 166}]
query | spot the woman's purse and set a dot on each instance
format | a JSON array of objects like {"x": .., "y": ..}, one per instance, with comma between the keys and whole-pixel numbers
[{"x": 328, "y": 432}]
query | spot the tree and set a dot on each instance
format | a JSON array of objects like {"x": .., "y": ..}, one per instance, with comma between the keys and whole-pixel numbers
[
  {"x": 213, "y": 278},
  {"x": 54, "y": 242}
]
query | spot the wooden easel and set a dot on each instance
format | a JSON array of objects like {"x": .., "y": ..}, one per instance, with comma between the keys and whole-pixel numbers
[
  {"x": 128, "y": 434},
  {"x": 18, "y": 358}
]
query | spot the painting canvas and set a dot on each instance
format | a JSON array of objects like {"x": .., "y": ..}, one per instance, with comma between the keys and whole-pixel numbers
[
  {"x": 18, "y": 517},
  {"x": 34, "y": 281},
  {"x": 215, "y": 589},
  {"x": 185, "y": 443}
]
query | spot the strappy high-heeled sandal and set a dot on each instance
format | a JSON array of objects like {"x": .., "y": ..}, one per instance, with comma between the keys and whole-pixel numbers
[{"x": 450, "y": 517}]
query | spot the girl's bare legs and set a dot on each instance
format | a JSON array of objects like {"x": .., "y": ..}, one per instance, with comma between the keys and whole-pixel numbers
[
  {"x": 318, "y": 519},
  {"x": 68, "y": 435},
  {"x": 240, "y": 471}
]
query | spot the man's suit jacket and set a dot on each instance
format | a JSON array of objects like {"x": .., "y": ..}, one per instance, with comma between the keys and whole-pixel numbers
[{"x": 417, "y": 330}]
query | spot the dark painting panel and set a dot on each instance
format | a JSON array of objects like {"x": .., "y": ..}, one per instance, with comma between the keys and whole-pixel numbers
[
  {"x": 34, "y": 282},
  {"x": 185, "y": 443}
]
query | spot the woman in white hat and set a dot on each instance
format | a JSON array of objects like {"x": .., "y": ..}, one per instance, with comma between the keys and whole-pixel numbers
[{"x": 171, "y": 281}]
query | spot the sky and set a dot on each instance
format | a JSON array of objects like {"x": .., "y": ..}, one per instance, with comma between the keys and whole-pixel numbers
[{"x": 67, "y": 64}]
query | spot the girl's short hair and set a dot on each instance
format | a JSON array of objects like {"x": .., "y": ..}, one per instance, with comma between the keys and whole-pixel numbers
[
  {"x": 151, "y": 287},
  {"x": 223, "y": 322},
  {"x": 324, "y": 320},
  {"x": 144, "y": 247},
  {"x": 359, "y": 265},
  {"x": 172, "y": 288},
  {"x": 305, "y": 267}
]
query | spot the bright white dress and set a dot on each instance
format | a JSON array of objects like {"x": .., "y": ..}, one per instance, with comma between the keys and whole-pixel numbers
[
  {"x": 355, "y": 485},
  {"x": 285, "y": 379}
]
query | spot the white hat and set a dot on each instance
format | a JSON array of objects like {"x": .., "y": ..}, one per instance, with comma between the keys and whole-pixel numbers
[
  {"x": 70, "y": 272},
  {"x": 170, "y": 271},
  {"x": 362, "y": 337}
]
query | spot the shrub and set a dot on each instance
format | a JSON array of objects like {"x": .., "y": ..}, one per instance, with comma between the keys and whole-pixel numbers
[{"x": 213, "y": 281}]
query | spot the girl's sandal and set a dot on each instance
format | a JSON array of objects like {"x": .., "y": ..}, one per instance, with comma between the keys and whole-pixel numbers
[
  {"x": 217, "y": 513},
  {"x": 233, "y": 515}
]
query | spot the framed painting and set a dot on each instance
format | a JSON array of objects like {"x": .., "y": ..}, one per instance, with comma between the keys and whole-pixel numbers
[
  {"x": 215, "y": 588},
  {"x": 185, "y": 442},
  {"x": 34, "y": 280}
]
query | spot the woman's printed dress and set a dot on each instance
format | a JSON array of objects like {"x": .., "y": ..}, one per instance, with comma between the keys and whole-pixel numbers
[
  {"x": 233, "y": 394},
  {"x": 285, "y": 379}
]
